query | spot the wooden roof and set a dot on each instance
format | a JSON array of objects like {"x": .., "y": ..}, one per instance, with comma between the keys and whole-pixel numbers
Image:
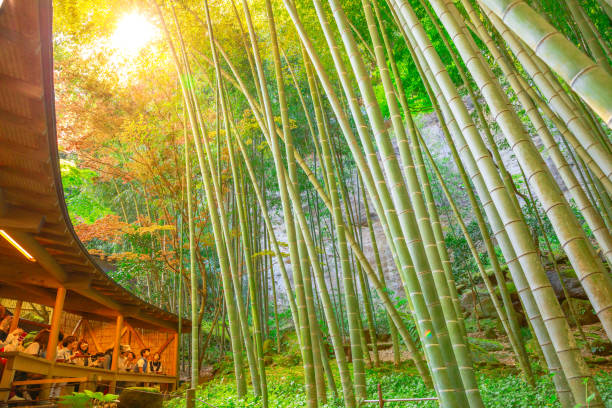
[{"x": 32, "y": 206}]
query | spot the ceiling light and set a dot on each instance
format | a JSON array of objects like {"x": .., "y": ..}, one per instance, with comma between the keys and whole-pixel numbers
[{"x": 9, "y": 238}]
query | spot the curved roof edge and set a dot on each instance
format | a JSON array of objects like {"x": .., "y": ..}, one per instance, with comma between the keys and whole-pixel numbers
[{"x": 32, "y": 206}]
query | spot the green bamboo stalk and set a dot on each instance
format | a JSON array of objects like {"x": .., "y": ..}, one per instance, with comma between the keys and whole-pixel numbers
[
  {"x": 347, "y": 387},
  {"x": 499, "y": 308},
  {"x": 223, "y": 221},
  {"x": 305, "y": 331},
  {"x": 588, "y": 79},
  {"x": 459, "y": 346},
  {"x": 597, "y": 283},
  {"x": 595, "y": 48},
  {"x": 352, "y": 306},
  {"x": 248, "y": 255},
  {"x": 226, "y": 278},
  {"x": 569, "y": 232},
  {"x": 413, "y": 285},
  {"x": 236, "y": 80},
  {"x": 381, "y": 274},
  {"x": 580, "y": 135},
  {"x": 439, "y": 237},
  {"x": 356, "y": 267},
  {"x": 498, "y": 227},
  {"x": 585, "y": 205},
  {"x": 400, "y": 199},
  {"x": 552, "y": 259},
  {"x": 195, "y": 333}
]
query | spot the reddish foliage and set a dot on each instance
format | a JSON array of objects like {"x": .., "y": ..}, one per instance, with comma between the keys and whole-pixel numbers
[{"x": 108, "y": 228}]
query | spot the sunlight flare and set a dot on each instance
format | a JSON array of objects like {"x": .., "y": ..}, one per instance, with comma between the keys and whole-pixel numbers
[{"x": 134, "y": 31}]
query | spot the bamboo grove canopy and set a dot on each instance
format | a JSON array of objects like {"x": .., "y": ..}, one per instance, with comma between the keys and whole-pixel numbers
[
  {"x": 525, "y": 79},
  {"x": 33, "y": 212}
]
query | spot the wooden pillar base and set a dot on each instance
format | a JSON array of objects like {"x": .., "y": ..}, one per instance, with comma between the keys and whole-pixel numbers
[
  {"x": 190, "y": 397},
  {"x": 5, "y": 382}
]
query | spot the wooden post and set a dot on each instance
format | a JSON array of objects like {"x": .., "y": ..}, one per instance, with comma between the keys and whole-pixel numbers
[
  {"x": 381, "y": 401},
  {"x": 116, "y": 350},
  {"x": 16, "y": 314},
  {"x": 8, "y": 374},
  {"x": 190, "y": 397},
  {"x": 55, "y": 323},
  {"x": 175, "y": 355}
]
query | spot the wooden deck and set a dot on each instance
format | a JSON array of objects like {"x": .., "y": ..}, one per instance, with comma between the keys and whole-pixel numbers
[{"x": 17, "y": 361}]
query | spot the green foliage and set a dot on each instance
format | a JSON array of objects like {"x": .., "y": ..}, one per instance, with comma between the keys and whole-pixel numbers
[
  {"x": 84, "y": 204},
  {"x": 499, "y": 389},
  {"x": 86, "y": 399}
]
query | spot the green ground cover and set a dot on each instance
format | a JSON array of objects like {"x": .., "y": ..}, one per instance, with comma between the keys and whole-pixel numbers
[{"x": 499, "y": 388}]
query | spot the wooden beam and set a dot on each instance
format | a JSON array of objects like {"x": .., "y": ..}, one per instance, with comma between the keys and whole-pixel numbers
[
  {"x": 116, "y": 351},
  {"x": 32, "y": 124},
  {"x": 22, "y": 220},
  {"x": 72, "y": 259},
  {"x": 94, "y": 339},
  {"x": 27, "y": 43},
  {"x": 137, "y": 335},
  {"x": 43, "y": 258},
  {"x": 51, "y": 381},
  {"x": 35, "y": 154},
  {"x": 16, "y": 315},
  {"x": 55, "y": 323},
  {"x": 175, "y": 357},
  {"x": 22, "y": 87},
  {"x": 130, "y": 311},
  {"x": 116, "y": 343},
  {"x": 164, "y": 346},
  {"x": 3, "y": 203},
  {"x": 36, "y": 294},
  {"x": 101, "y": 299},
  {"x": 78, "y": 281},
  {"x": 37, "y": 175},
  {"x": 77, "y": 327}
]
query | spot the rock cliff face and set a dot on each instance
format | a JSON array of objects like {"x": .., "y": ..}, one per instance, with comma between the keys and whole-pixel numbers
[{"x": 432, "y": 134}]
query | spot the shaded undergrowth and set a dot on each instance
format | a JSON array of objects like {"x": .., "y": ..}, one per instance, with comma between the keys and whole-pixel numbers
[{"x": 499, "y": 388}]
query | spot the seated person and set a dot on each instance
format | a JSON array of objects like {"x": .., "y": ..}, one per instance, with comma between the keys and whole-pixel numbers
[
  {"x": 5, "y": 326},
  {"x": 124, "y": 349},
  {"x": 13, "y": 340},
  {"x": 38, "y": 346},
  {"x": 155, "y": 365},
  {"x": 97, "y": 360},
  {"x": 130, "y": 361},
  {"x": 82, "y": 356},
  {"x": 143, "y": 362},
  {"x": 66, "y": 354},
  {"x": 108, "y": 358}
]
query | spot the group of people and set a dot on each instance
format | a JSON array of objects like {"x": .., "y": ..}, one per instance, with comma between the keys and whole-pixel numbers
[
  {"x": 77, "y": 352},
  {"x": 71, "y": 350}
]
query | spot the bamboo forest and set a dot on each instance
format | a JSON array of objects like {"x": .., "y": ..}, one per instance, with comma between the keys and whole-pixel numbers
[{"x": 306, "y": 203}]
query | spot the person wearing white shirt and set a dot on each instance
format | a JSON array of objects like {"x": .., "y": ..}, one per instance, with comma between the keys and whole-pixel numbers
[{"x": 65, "y": 355}]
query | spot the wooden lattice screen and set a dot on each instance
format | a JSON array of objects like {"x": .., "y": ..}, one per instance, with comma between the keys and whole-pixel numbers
[{"x": 101, "y": 335}]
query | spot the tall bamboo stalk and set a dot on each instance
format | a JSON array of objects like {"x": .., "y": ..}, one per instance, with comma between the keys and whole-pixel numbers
[
  {"x": 225, "y": 273},
  {"x": 446, "y": 99},
  {"x": 588, "y": 79}
]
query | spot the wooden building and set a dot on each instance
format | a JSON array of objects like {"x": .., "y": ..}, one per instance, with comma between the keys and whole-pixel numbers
[{"x": 41, "y": 259}]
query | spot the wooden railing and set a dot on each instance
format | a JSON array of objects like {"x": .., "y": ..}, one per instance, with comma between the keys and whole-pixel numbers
[
  {"x": 381, "y": 401},
  {"x": 16, "y": 361}
]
